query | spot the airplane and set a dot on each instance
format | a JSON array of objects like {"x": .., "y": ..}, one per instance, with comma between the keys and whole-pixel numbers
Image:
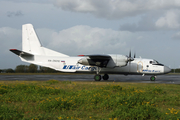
[{"x": 33, "y": 52}]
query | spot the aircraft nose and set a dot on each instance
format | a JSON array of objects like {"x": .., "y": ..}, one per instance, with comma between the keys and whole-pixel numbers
[{"x": 167, "y": 69}]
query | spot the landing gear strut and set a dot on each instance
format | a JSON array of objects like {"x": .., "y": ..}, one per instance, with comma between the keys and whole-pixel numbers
[
  {"x": 97, "y": 77},
  {"x": 153, "y": 78}
]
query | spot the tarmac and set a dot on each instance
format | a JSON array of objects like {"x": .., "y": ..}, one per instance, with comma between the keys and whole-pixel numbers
[{"x": 162, "y": 79}]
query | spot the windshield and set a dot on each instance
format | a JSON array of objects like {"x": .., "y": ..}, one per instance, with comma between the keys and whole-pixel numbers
[{"x": 154, "y": 62}]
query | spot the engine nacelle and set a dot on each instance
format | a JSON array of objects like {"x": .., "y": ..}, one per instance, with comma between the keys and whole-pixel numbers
[
  {"x": 114, "y": 61},
  {"x": 86, "y": 61},
  {"x": 117, "y": 61},
  {"x": 121, "y": 60},
  {"x": 94, "y": 62},
  {"x": 83, "y": 61}
]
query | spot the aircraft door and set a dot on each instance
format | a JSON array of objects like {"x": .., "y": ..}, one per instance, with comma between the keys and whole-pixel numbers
[{"x": 139, "y": 67}]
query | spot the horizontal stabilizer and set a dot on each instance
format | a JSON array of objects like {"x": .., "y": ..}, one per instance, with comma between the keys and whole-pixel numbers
[{"x": 20, "y": 53}]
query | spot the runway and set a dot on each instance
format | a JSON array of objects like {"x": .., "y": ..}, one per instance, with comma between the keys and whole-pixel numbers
[{"x": 166, "y": 79}]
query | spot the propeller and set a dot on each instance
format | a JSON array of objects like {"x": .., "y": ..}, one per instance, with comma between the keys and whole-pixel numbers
[{"x": 129, "y": 58}]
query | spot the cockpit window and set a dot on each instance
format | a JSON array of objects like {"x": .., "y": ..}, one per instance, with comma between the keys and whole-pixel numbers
[
  {"x": 157, "y": 62},
  {"x": 154, "y": 62}
]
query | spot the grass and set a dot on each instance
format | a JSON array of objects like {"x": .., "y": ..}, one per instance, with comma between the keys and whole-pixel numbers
[{"x": 88, "y": 100}]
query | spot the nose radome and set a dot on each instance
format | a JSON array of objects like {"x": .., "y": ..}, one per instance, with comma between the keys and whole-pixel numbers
[{"x": 167, "y": 69}]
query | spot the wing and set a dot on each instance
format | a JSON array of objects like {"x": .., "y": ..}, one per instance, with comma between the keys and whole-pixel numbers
[{"x": 95, "y": 60}]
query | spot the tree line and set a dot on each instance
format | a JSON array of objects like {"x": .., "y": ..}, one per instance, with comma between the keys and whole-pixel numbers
[
  {"x": 28, "y": 69},
  {"x": 34, "y": 69}
]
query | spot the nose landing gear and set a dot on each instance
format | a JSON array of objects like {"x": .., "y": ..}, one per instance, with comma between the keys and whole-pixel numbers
[{"x": 153, "y": 78}]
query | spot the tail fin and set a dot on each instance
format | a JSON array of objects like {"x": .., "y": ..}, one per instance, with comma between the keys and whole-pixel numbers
[{"x": 32, "y": 45}]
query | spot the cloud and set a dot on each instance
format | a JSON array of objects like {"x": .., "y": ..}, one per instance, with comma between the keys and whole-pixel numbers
[
  {"x": 146, "y": 23},
  {"x": 10, "y": 38},
  {"x": 85, "y": 39},
  {"x": 28, "y": 1},
  {"x": 152, "y": 22},
  {"x": 15, "y": 14},
  {"x": 170, "y": 20},
  {"x": 115, "y": 9},
  {"x": 152, "y": 15}
]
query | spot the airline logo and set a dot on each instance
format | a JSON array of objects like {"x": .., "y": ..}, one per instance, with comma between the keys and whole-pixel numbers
[
  {"x": 74, "y": 67},
  {"x": 152, "y": 71}
]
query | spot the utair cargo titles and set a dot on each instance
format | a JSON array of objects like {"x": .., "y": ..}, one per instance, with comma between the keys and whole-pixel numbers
[
  {"x": 74, "y": 67},
  {"x": 101, "y": 64}
]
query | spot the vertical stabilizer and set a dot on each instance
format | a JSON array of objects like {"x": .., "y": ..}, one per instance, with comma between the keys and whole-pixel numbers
[{"x": 31, "y": 43}]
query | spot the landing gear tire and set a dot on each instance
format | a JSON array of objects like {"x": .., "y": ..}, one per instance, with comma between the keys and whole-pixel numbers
[
  {"x": 97, "y": 77},
  {"x": 153, "y": 78},
  {"x": 105, "y": 77}
]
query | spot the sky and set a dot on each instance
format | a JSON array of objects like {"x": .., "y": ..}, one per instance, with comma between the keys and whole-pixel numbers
[{"x": 149, "y": 28}]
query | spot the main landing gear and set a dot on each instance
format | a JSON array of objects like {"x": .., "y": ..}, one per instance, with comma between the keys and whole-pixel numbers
[
  {"x": 97, "y": 77},
  {"x": 153, "y": 78}
]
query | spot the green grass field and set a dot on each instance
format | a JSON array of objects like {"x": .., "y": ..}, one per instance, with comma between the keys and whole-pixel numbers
[{"x": 53, "y": 100}]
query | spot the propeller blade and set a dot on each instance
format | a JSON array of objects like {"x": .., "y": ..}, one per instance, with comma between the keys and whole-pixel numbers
[
  {"x": 130, "y": 53},
  {"x": 134, "y": 55},
  {"x": 129, "y": 57}
]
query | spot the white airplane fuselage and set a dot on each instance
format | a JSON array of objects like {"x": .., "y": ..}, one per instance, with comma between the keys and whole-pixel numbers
[{"x": 138, "y": 66}]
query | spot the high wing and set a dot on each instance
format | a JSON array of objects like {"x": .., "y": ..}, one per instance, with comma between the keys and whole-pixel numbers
[
  {"x": 97, "y": 56},
  {"x": 99, "y": 60}
]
